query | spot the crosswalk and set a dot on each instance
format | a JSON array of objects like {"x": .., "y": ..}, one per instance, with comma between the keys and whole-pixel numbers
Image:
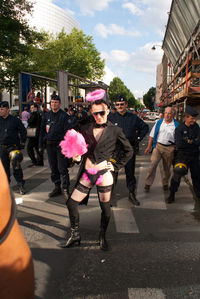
[{"x": 123, "y": 212}]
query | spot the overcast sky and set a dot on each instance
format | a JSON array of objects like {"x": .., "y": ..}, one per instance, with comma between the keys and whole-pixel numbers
[{"x": 124, "y": 32}]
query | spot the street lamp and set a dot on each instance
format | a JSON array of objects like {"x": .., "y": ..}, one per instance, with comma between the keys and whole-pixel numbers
[{"x": 154, "y": 47}]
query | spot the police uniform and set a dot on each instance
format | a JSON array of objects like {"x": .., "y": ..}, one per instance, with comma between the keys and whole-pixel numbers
[
  {"x": 53, "y": 129},
  {"x": 187, "y": 140},
  {"x": 11, "y": 128},
  {"x": 134, "y": 129},
  {"x": 33, "y": 142}
]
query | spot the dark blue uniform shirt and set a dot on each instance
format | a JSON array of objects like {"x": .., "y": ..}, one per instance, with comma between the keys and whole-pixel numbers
[
  {"x": 12, "y": 131},
  {"x": 54, "y": 126},
  {"x": 182, "y": 133},
  {"x": 130, "y": 124}
]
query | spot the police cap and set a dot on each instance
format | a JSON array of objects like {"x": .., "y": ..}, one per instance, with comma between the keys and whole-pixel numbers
[
  {"x": 121, "y": 98},
  {"x": 4, "y": 104},
  {"x": 56, "y": 98},
  {"x": 191, "y": 111}
]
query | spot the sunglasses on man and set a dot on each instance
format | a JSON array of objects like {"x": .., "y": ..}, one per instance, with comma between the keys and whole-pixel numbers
[
  {"x": 102, "y": 113},
  {"x": 119, "y": 104}
]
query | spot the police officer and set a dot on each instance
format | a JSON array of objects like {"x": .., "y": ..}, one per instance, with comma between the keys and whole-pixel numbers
[
  {"x": 33, "y": 142},
  {"x": 53, "y": 128},
  {"x": 130, "y": 123},
  {"x": 12, "y": 139},
  {"x": 187, "y": 140}
]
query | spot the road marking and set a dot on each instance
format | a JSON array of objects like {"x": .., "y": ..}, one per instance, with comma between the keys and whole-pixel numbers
[
  {"x": 18, "y": 200},
  {"x": 125, "y": 221},
  {"x": 39, "y": 193},
  {"x": 154, "y": 199},
  {"x": 145, "y": 293}
]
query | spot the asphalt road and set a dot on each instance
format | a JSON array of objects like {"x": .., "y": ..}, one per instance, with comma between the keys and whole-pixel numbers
[{"x": 154, "y": 249}]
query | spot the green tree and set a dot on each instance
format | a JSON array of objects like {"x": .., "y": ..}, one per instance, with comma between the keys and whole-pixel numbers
[
  {"x": 138, "y": 105},
  {"x": 149, "y": 98},
  {"x": 15, "y": 33},
  {"x": 117, "y": 87},
  {"x": 17, "y": 40},
  {"x": 74, "y": 52}
]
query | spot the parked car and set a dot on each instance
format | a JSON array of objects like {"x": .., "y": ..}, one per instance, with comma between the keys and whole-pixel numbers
[{"x": 152, "y": 115}]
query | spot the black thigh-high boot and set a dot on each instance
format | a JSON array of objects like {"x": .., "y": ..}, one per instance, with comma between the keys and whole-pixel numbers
[
  {"x": 75, "y": 238},
  {"x": 105, "y": 218}
]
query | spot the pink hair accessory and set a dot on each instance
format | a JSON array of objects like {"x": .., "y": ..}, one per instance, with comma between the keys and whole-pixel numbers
[
  {"x": 93, "y": 171},
  {"x": 98, "y": 94},
  {"x": 73, "y": 144}
]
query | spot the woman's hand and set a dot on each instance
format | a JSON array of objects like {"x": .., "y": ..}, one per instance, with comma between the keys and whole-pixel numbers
[{"x": 109, "y": 166}]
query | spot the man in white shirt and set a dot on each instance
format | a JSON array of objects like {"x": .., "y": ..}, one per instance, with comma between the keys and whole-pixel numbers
[{"x": 162, "y": 139}]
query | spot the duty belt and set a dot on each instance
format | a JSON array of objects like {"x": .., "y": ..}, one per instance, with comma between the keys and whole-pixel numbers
[
  {"x": 53, "y": 142},
  {"x": 7, "y": 145}
]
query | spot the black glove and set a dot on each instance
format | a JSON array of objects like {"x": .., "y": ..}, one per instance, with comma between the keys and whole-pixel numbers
[{"x": 22, "y": 145}]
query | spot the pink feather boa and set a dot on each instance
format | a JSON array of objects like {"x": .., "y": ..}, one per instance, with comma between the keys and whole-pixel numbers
[
  {"x": 98, "y": 94},
  {"x": 93, "y": 171},
  {"x": 73, "y": 144}
]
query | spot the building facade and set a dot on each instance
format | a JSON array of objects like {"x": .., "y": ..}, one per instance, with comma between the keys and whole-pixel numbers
[
  {"x": 51, "y": 18},
  {"x": 181, "y": 60}
]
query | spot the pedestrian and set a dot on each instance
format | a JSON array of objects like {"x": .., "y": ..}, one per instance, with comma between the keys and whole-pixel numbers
[
  {"x": 34, "y": 122},
  {"x": 16, "y": 264},
  {"x": 73, "y": 118},
  {"x": 53, "y": 95},
  {"x": 38, "y": 99},
  {"x": 113, "y": 110},
  {"x": 101, "y": 137},
  {"x": 187, "y": 141},
  {"x": 53, "y": 128},
  {"x": 30, "y": 98},
  {"x": 162, "y": 139},
  {"x": 25, "y": 117},
  {"x": 82, "y": 115},
  {"x": 12, "y": 140},
  {"x": 130, "y": 124},
  {"x": 43, "y": 110}
]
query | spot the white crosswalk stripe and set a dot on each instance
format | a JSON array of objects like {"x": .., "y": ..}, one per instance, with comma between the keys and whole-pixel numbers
[
  {"x": 151, "y": 200},
  {"x": 145, "y": 293},
  {"x": 125, "y": 221}
]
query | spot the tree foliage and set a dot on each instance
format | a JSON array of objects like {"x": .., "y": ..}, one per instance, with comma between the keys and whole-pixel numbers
[
  {"x": 15, "y": 33},
  {"x": 74, "y": 52},
  {"x": 117, "y": 87},
  {"x": 149, "y": 98}
]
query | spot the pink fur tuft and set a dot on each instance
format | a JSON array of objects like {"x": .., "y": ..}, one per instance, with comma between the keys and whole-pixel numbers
[
  {"x": 98, "y": 94},
  {"x": 73, "y": 144}
]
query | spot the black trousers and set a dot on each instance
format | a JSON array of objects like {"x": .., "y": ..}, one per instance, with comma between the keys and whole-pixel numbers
[
  {"x": 130, "y": 174},
  {"x": 17, "y": 172},
  {"x": 32, "y": 147},
  {"x": 194, "y": 166},
  {"x": 59, "y": 166}
]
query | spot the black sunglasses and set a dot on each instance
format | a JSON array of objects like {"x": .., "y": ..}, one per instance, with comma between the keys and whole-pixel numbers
[
  {"x": 102, "y": 113},
  {"x": 120, "y": 104}
]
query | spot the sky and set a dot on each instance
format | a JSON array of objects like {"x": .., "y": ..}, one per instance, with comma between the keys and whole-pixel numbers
[{"x": 124, "y": 32}]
